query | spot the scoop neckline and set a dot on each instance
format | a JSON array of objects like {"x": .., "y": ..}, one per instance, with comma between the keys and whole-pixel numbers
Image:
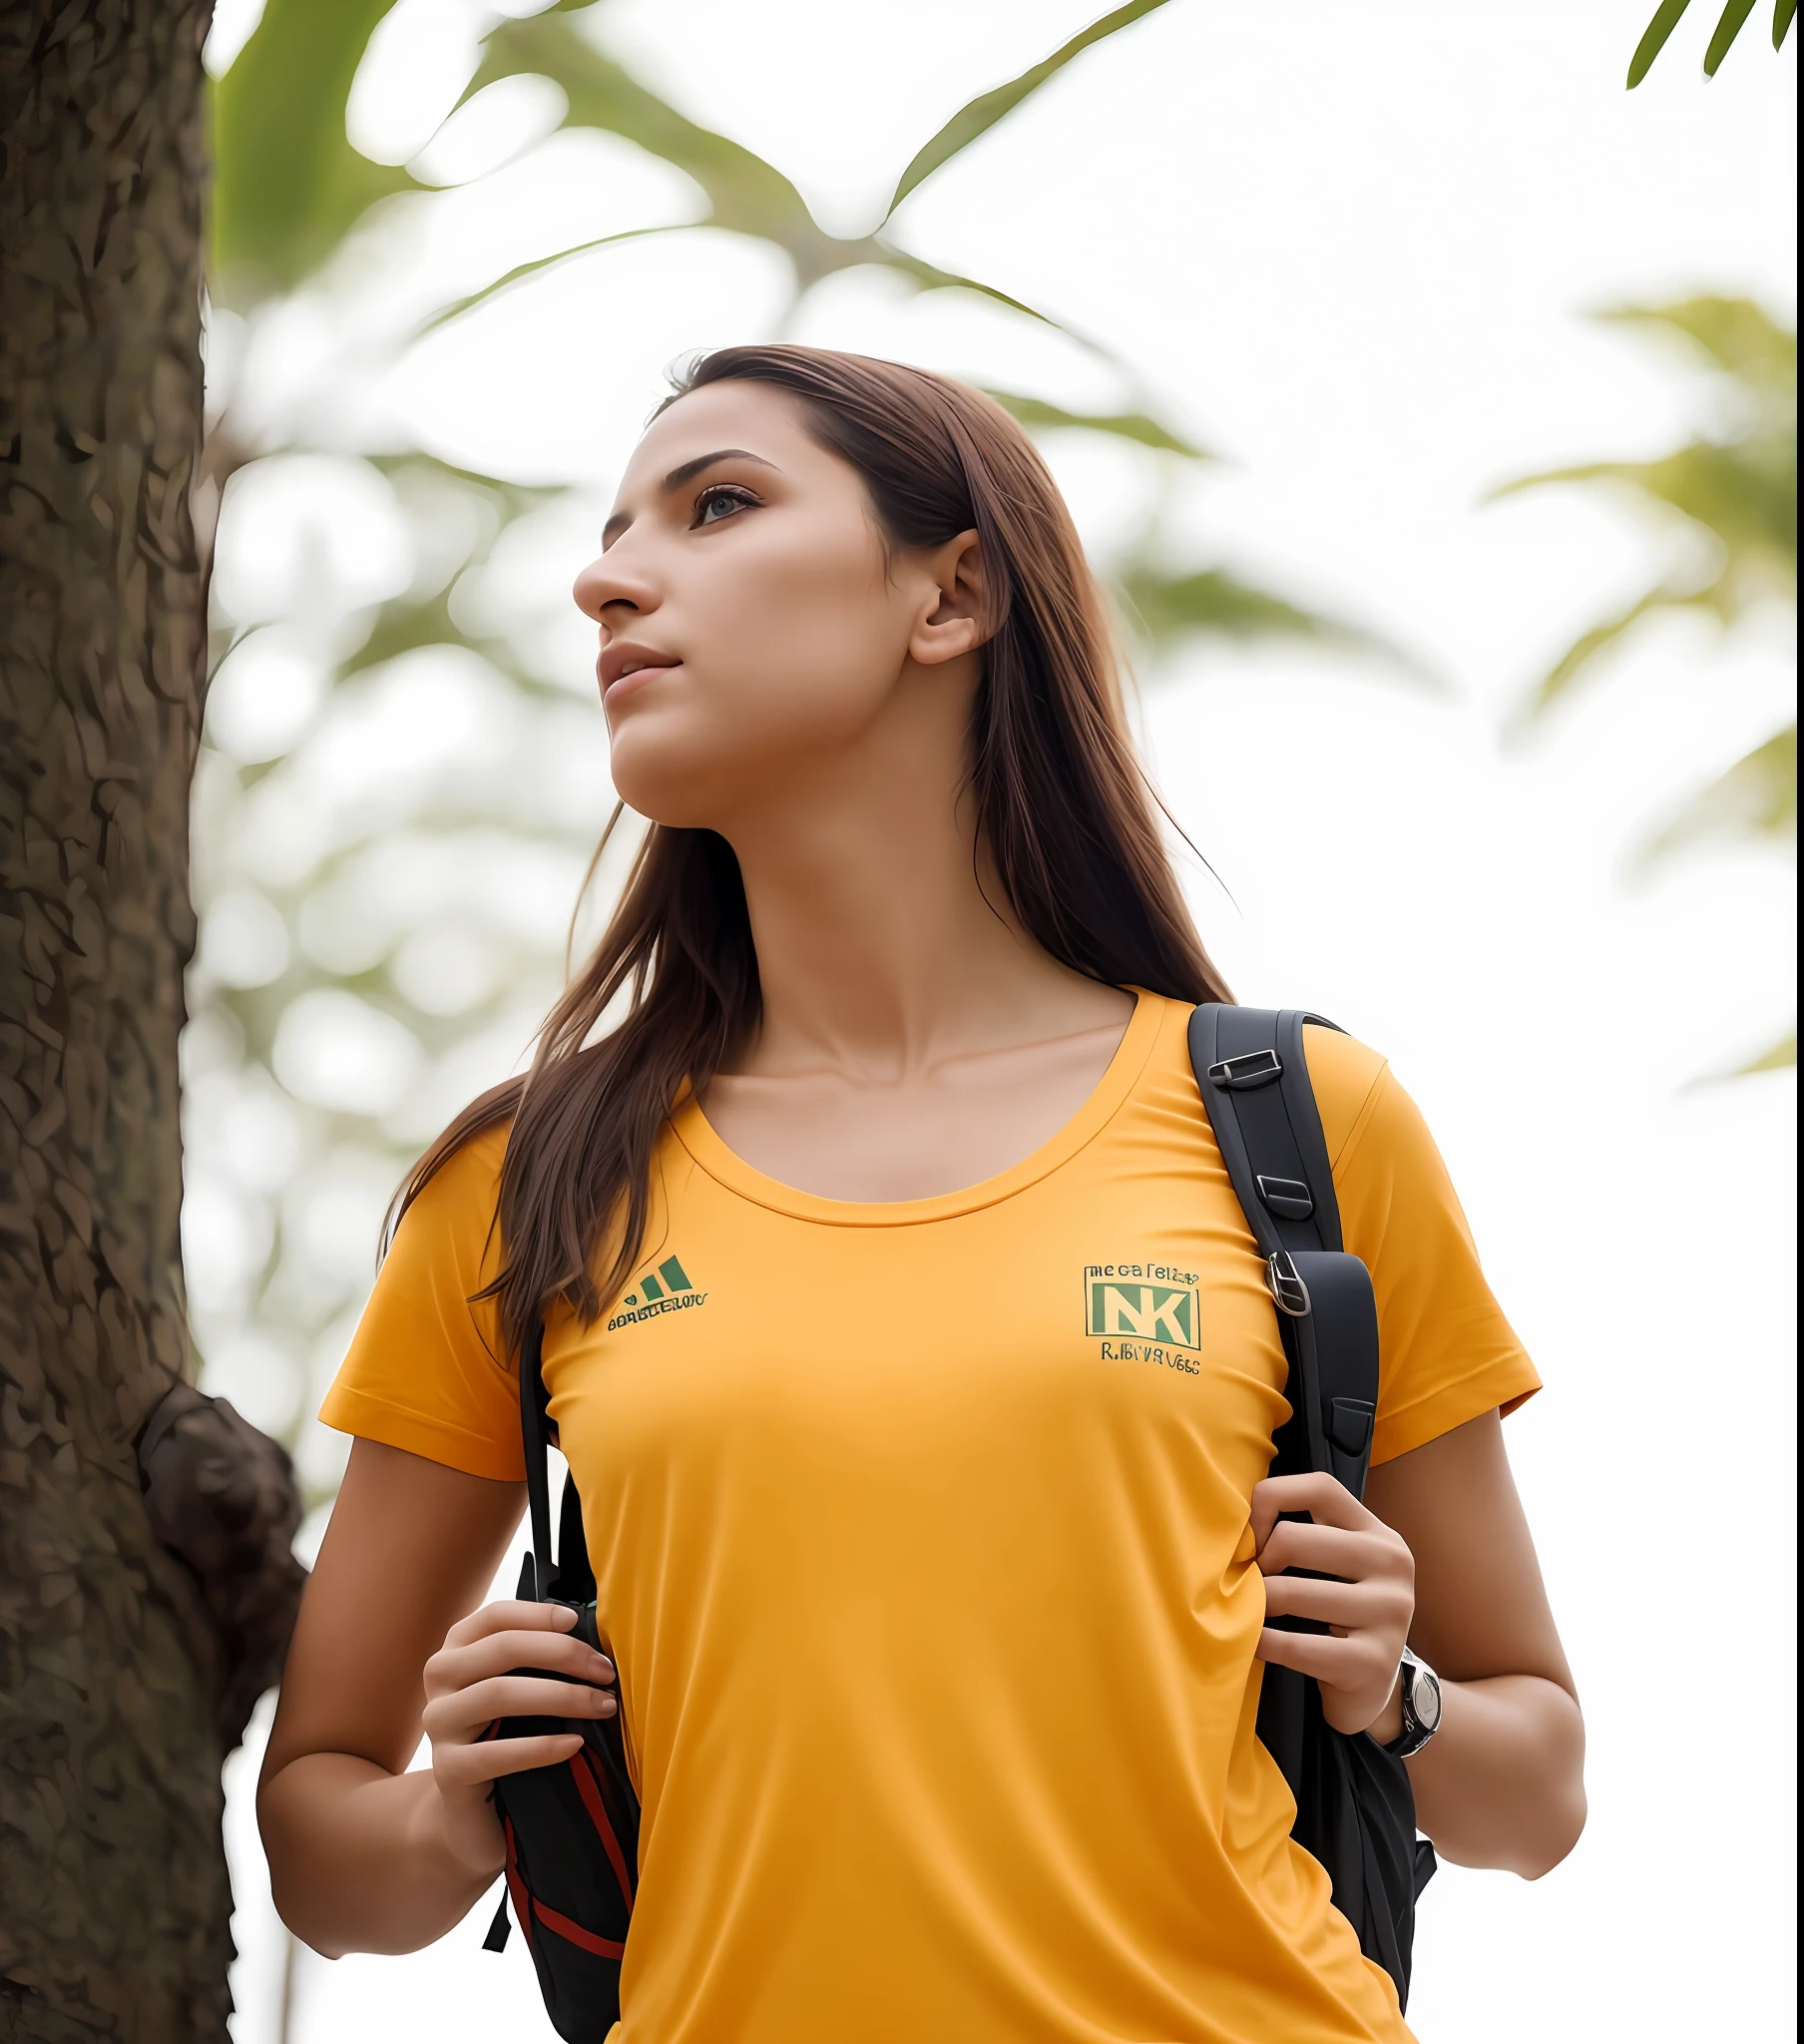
[{"x": 697, "y": 1135}]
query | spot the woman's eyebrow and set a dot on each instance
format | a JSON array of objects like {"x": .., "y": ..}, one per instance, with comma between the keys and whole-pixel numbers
[
  {"x": 684, "y": 472},
  {"x": 688, "y": 470}
]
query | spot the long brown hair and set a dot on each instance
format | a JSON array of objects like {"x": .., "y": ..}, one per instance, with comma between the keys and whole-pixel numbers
[{"x": 1064, "y": 812}]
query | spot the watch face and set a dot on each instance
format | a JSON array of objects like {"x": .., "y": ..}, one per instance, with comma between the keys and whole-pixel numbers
[{"x": 1425, "y": 1698}]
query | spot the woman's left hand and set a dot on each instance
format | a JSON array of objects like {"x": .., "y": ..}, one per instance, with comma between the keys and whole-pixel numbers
[{"x": 1367, "y": 1609}]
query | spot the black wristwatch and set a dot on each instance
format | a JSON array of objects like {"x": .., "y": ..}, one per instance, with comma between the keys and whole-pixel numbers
[{"x": 1420, "y": 1705}]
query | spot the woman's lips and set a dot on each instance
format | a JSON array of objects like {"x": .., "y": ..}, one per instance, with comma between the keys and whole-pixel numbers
[{"x": 617, "y": 685}]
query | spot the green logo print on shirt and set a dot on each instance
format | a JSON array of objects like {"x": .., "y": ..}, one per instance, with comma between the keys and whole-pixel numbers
[
  {"x": 1145, "y": 1301},
  {"x": 667, "y": 1289}
]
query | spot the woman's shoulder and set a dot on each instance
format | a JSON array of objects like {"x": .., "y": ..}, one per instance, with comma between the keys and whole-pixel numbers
[
  {"x": 461, "y": 1192},
  {"x": 1351, "y": 1082},
  {"x": 425, "y": 1369}
]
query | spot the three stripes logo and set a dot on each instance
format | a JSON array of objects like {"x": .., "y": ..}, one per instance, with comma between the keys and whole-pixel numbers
[
  {"x": 667, "y": 1289},
  {"x": 1147, "y": 1302}
]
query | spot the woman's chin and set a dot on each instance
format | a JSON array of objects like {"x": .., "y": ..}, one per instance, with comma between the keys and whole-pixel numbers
[{"x": 679, "y": 799}]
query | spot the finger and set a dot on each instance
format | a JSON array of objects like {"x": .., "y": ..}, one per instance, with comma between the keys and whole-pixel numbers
[
  {"x": 1354, "y": 1685},
  {"x": 1327, "y": 1502},
  {"x": 1332, "y": 1550},
  {"x": 461, "y": 1715},
  {"x": 510, "y": 1613},
  {"x": 467, "y": 1766},
  {"x": 455, "y": 1668},
  {"x": 1336, "y": 1663},
  {"x": 1363, "y": 1607}
]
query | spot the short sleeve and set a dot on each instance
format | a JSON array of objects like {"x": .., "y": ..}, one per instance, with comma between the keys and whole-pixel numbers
[
  {"x": 424, "y": 1369},
  {"x": 1445, "y": 1351}
]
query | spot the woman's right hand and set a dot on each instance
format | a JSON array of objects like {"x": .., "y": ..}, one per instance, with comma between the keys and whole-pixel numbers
[{"x": 470, "y": 1682}]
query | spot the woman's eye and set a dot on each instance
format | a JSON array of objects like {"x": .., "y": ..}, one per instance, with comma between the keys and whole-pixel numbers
[{"x": 713, "y": 505}]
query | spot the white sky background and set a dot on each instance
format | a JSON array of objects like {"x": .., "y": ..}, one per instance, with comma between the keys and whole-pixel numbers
[{"x": 1350, "y": 245}]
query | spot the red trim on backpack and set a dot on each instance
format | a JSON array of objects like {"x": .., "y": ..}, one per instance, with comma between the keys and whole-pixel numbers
[
  {"x": 584, "y": 1768},
  {"x": 603, "y": 1947},
  {"x": 516, "y": 1888}
]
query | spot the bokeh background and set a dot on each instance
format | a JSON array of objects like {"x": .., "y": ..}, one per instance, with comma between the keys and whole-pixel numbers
[{"x": 1317, "y": 282}]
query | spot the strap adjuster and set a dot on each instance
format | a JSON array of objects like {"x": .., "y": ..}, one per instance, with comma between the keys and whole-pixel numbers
[
  {"x": 1287, "y": 1196},
  {"x": 1288, "y": 1291},
  {"x": 1251, "y": 1068}
]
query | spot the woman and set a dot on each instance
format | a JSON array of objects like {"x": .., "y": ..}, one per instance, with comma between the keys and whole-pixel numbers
[{"x": 938, "y": 1623}]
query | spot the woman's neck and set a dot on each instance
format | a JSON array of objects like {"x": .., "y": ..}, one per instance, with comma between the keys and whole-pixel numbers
[{"x": 885, "y": 944}]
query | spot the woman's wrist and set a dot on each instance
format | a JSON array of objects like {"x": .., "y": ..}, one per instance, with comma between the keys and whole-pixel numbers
[
  {"x": 1387, "y": 1727},
  {"x": 433, "y": 1834}
]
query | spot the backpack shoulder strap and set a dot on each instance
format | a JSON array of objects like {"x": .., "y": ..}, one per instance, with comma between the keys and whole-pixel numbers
[
  {"x": 564, "y": 1574},
  {"x": 1253, "y": 1080}
]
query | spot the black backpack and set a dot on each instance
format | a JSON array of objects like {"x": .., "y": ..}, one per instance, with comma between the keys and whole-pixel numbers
[
  {"x": 572, "y": 1830},
  {"x": 1356, "y": 1812}
]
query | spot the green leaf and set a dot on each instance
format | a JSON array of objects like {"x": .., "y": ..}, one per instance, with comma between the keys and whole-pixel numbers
[
  {"x": 1728, "y": 29},
  {"x": 523, "y": 273},
  {"x": 1740, "y": 491},
  {"x": 746, "y": 195},
  {"x": 1738, "y": 335},
  {"x": 1783, "y": 1056},
  {"x": 1665, "y": 20},
  {"x": 983, "y": 113},
  {"x": 1756, "y": 798},
  {"x": 1749, "y": 504},
  {"x": 287, "y": 182},
  {"x": 1779, "y": 1056},
  {"x": 1138, "y": 427},
  {"x": 926, "y": 276},
  {"x": 1590, "y": 646},
  {"x": 1214, "y": 603},
  {"x": 1783, "y": 10}
]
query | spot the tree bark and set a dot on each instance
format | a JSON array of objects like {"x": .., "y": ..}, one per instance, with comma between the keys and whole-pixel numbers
[{"x": 115, "y": 1902}]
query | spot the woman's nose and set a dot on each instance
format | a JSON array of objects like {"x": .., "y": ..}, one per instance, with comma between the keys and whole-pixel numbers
[{"x": 612, "y": 579}]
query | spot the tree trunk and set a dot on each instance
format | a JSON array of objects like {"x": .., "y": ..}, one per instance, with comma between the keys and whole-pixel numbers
[{"x": 115, "y": 1902}]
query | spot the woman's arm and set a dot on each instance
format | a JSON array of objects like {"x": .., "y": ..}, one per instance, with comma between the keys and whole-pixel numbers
[
  {"x": 1440, "y": 1554},
  {"x": 363, "y": 1855},
  {"x": 1502, "y": 1782}
]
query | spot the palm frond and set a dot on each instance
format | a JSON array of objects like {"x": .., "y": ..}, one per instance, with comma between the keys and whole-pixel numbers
[{"x": 1728, "y": 26}]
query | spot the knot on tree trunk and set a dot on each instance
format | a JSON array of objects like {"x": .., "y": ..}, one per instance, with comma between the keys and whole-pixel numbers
[{"x": 222, "y": 1497}]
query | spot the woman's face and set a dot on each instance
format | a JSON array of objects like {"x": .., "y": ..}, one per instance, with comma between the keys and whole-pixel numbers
[{"x": 753, "y": 628}]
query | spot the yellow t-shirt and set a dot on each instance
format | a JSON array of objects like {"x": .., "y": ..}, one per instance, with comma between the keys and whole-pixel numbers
[{"x": 921, "y": 1536}]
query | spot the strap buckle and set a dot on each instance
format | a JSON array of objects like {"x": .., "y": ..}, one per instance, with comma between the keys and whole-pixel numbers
[
  {"x": 1251, "y": 1068},
  {"x": 1287, "y": 1196},
  {"x": 1287, "y": 1288}
]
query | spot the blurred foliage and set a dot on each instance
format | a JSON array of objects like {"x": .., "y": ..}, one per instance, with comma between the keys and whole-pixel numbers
[
  {"x": 1730, "y": 498},
  {"x": 400, "y": 784},
  {"x": 288, "y": 184},
  {"x": 1736, "y": 490},
  {"x": 1729, "y": 25}
]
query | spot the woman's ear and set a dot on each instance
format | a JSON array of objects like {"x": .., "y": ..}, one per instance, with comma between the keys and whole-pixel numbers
[{"x": 955, "y": 618}]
